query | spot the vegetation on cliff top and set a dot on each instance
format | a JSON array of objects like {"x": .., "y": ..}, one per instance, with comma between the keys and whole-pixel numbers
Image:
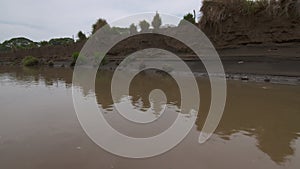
[
  {"x": 17, "y": 43},
  {"x": 217, "y": 11},
  {"x": 24, "y": 43}
]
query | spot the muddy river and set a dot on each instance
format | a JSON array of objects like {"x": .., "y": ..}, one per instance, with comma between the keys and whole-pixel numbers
[{"x": 260, "y": 127}]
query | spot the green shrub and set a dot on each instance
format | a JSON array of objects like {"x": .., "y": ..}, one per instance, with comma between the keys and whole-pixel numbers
[
  {"x": 188, "y": 17},
  {"x": 74, "y": 57},
  {"x": 78, "y": 58},
  {"x": 81, "y": 36},
  {"x": 30, "y": 61},
  {"x": 144, "y": 25}
]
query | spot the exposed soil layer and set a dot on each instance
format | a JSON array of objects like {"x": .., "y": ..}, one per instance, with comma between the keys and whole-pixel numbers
[
  {"x": 241, "y": 22},
  {"x": 45, "y": 53}
]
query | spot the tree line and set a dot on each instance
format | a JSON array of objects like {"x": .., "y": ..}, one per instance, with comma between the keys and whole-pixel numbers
[
  {"x": 133, "y": 28},
  {"x": 144, "y": 26}
]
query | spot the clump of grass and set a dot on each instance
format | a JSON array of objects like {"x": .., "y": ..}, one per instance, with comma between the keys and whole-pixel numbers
[
  {"x": 74, "y": 57},
  {"x": 77, "y": 58},
  {"x": 30, "y": 61},
  {"x": 50, "y": 63}
]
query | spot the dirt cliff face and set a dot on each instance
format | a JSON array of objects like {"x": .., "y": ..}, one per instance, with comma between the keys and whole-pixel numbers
[
  {"x": 44, "y": 53},
  {"x": 241, "y": 22}
]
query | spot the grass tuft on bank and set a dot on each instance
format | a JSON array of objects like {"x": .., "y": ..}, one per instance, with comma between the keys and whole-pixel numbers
[{"x": 30, "y": 61}]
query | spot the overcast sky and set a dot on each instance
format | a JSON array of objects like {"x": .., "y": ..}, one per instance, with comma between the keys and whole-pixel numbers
[{"x": 45, "y": 19}]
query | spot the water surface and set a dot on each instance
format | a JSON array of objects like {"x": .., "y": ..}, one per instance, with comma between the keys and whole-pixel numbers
[{"x": 39, "y": 129}]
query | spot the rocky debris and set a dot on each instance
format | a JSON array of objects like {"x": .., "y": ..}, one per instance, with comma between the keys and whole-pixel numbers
[
  {"x": 267, "y": 80},
  {"x": 245, "y": 78}
]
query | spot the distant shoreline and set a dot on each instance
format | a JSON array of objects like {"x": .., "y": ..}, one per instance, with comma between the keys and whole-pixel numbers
[{"x": 265, "y": 59}]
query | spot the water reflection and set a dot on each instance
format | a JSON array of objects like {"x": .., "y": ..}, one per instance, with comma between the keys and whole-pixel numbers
[
  {"x": 28, "y": 76},
  {"x": 268, "y": 113},
  {"x": 139, "y": 90}
]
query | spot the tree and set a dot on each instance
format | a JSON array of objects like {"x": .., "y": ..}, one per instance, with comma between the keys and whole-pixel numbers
[
  {"x": 43, "y": 43},
  {"x": 61, "y": 41},
  {"x": 99, "y": 24},
  {"x": 132, "y": 29},
  {"x": 188, "y": 17},
  {"x": 156, "y": 22},
  {"x": 81, "y": 36},
  {"x": 19, "y": 43},
  {"x": 119, "y": 30},
  {"x": 144, "y": 26}
]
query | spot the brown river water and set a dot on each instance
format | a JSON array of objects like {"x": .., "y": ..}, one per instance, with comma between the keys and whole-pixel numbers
[{"x": 260, "y": 127}]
